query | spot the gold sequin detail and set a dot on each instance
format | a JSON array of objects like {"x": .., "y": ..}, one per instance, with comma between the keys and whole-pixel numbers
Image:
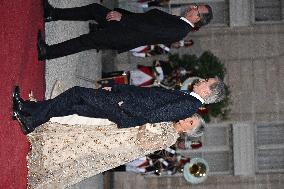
[{"x": 63, "y": 155}]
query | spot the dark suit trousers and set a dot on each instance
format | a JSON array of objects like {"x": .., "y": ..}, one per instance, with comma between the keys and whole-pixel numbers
[
  {"x": 77, "y": 100},
  {"x": 88, "y": 41}
]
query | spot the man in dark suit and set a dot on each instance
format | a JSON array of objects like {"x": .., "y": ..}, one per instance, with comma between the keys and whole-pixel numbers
[
  {"x": 121, "y": 30},
  {"x": 125, "y": 105}
]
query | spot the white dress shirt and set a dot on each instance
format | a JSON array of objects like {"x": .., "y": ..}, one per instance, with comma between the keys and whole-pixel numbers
[
  {"x": 187, "y": 21},
  {"x": 197, "y": 96}
]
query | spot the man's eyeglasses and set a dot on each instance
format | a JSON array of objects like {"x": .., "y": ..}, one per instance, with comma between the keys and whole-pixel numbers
[{"x": 196, "y": 8}]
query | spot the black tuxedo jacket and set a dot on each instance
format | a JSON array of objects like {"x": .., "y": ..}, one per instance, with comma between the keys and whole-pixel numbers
[
  {"x": 152, "y": 27},
  {"x": 152, "y": 105},
  {"x": 133, "y": 30},
  {"x": 126, "y": 105}
]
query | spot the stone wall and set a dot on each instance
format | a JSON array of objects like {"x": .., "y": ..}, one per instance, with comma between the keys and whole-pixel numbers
[
  {"x": 132, "y": 180},
  {"x": 254, "y": 60}
]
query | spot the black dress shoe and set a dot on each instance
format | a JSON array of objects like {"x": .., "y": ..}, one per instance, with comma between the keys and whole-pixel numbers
[
  {"x": 48, "y": 11},
  {"x": 17, "y": 101},
  {"x": 26, "y": 122},
  {"x": 41, "y": 47}
]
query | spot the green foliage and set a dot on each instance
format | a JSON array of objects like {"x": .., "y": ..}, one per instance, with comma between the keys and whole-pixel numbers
[{"x": 205, "y": 66}]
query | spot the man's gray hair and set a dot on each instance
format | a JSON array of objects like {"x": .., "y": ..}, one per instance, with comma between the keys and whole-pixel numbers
[
  {"x": 205, "y": 18},
  {"x": 199, "y": 130},
  {"x": 217, "y": 92}
]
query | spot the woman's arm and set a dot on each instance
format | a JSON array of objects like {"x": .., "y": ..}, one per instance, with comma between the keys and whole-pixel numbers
[{"x": 147, "y": 142}]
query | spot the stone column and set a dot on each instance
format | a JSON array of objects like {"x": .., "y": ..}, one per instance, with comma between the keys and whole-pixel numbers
[
  {"x": 243, "y": 145},
  {"x": 240, "y": 12}
]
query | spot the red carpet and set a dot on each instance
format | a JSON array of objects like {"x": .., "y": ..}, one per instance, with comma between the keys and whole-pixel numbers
[{"x": 20, "y": 21}]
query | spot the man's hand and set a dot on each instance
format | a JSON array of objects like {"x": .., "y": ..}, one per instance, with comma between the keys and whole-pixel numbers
[
  {"x": 107, "y": 88},
  {"x": 113, "y": 15}
]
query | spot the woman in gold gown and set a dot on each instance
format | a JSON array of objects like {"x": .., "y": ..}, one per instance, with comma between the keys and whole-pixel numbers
[{"x": 65, "y": 154}]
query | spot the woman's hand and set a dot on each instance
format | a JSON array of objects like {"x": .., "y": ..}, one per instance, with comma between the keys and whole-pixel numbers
[
  {"x": 113, "y": 16},
  {"x": 148, "y": 143}
]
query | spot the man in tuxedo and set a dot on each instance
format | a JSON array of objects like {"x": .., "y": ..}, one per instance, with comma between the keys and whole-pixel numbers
[
  {"x": 125, "y": 105},
  {"x": 121, "y": 30}
]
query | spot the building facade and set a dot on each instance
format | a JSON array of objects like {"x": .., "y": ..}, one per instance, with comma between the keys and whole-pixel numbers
[{"x": 247, "y": 151}]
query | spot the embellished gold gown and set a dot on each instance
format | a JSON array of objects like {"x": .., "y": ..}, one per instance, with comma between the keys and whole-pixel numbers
[{"x": 62, "y": 154}]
